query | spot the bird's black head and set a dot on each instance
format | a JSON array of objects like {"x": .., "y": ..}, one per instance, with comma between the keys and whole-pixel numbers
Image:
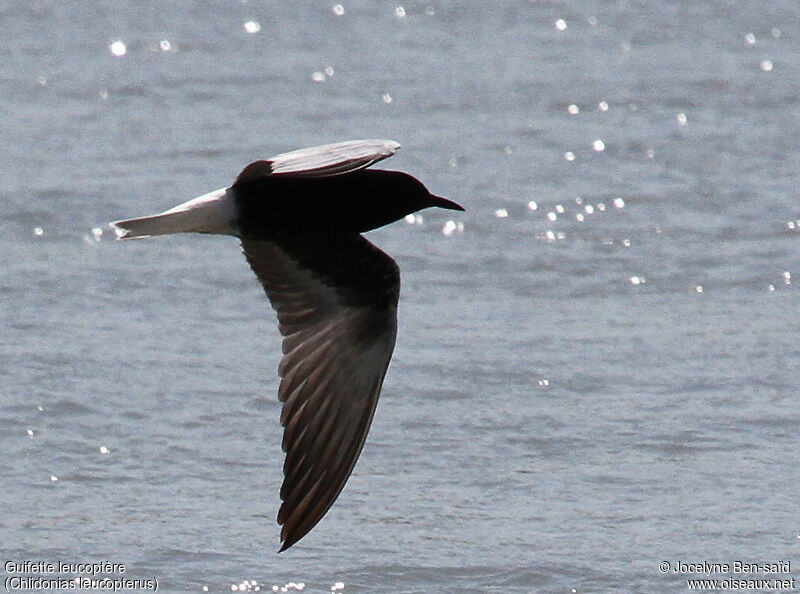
[{"x": 395, "y": 194}]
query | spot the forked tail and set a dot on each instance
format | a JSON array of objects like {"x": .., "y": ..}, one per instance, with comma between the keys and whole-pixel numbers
[
  {"x": 214, "y": 212},
  {"x": 160, "y": 224}
]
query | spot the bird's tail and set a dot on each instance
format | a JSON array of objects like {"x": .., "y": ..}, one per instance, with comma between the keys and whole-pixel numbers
[
  {"x": 160, "y": 224},
  {"x": 211, "y": 213}
]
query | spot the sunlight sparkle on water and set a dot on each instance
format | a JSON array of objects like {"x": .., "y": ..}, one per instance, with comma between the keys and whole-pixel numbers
[
  {"x": 291, "y": 586},
  {"x": 551, "y": 236},
  {"x": 252, "y": 27},
  {"x": 246, "y": 586},
  {"x": 451, "y": 227},
  {"x": 118, "y": 48}
]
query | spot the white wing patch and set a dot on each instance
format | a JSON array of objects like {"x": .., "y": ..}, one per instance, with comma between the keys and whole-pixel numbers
[{"x": 322, "y": 161}]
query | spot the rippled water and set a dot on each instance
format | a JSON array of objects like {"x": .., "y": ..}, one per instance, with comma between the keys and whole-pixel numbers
[{"x": 597, "y": 364}]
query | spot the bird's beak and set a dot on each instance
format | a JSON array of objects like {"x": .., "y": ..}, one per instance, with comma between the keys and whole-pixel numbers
[{"x": 444, "y": 203}]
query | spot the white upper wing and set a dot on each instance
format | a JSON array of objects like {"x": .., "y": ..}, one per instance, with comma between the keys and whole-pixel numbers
[{"x": 322, "y": 161}]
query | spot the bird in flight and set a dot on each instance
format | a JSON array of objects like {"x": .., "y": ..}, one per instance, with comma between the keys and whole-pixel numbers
[{"x": 299, "y": 217}]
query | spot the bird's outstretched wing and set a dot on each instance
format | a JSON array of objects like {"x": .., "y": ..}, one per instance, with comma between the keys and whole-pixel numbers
[
  {"x": 322, "y": 161},
  {"x": 336, "y": 300}
]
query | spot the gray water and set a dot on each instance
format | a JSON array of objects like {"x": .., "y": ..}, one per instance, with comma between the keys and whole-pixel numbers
[{"x": 597, "y": 364}]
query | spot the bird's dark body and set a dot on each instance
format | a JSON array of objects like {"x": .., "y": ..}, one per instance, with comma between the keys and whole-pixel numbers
[
  {"x": 318, "y": 220},
  {"x": 351, "y": 203}
]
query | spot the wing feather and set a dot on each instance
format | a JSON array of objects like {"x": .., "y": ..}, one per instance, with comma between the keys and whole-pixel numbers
[
  {"x": 322, "y": 161},
  {"x": 336, "y": 300}
]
